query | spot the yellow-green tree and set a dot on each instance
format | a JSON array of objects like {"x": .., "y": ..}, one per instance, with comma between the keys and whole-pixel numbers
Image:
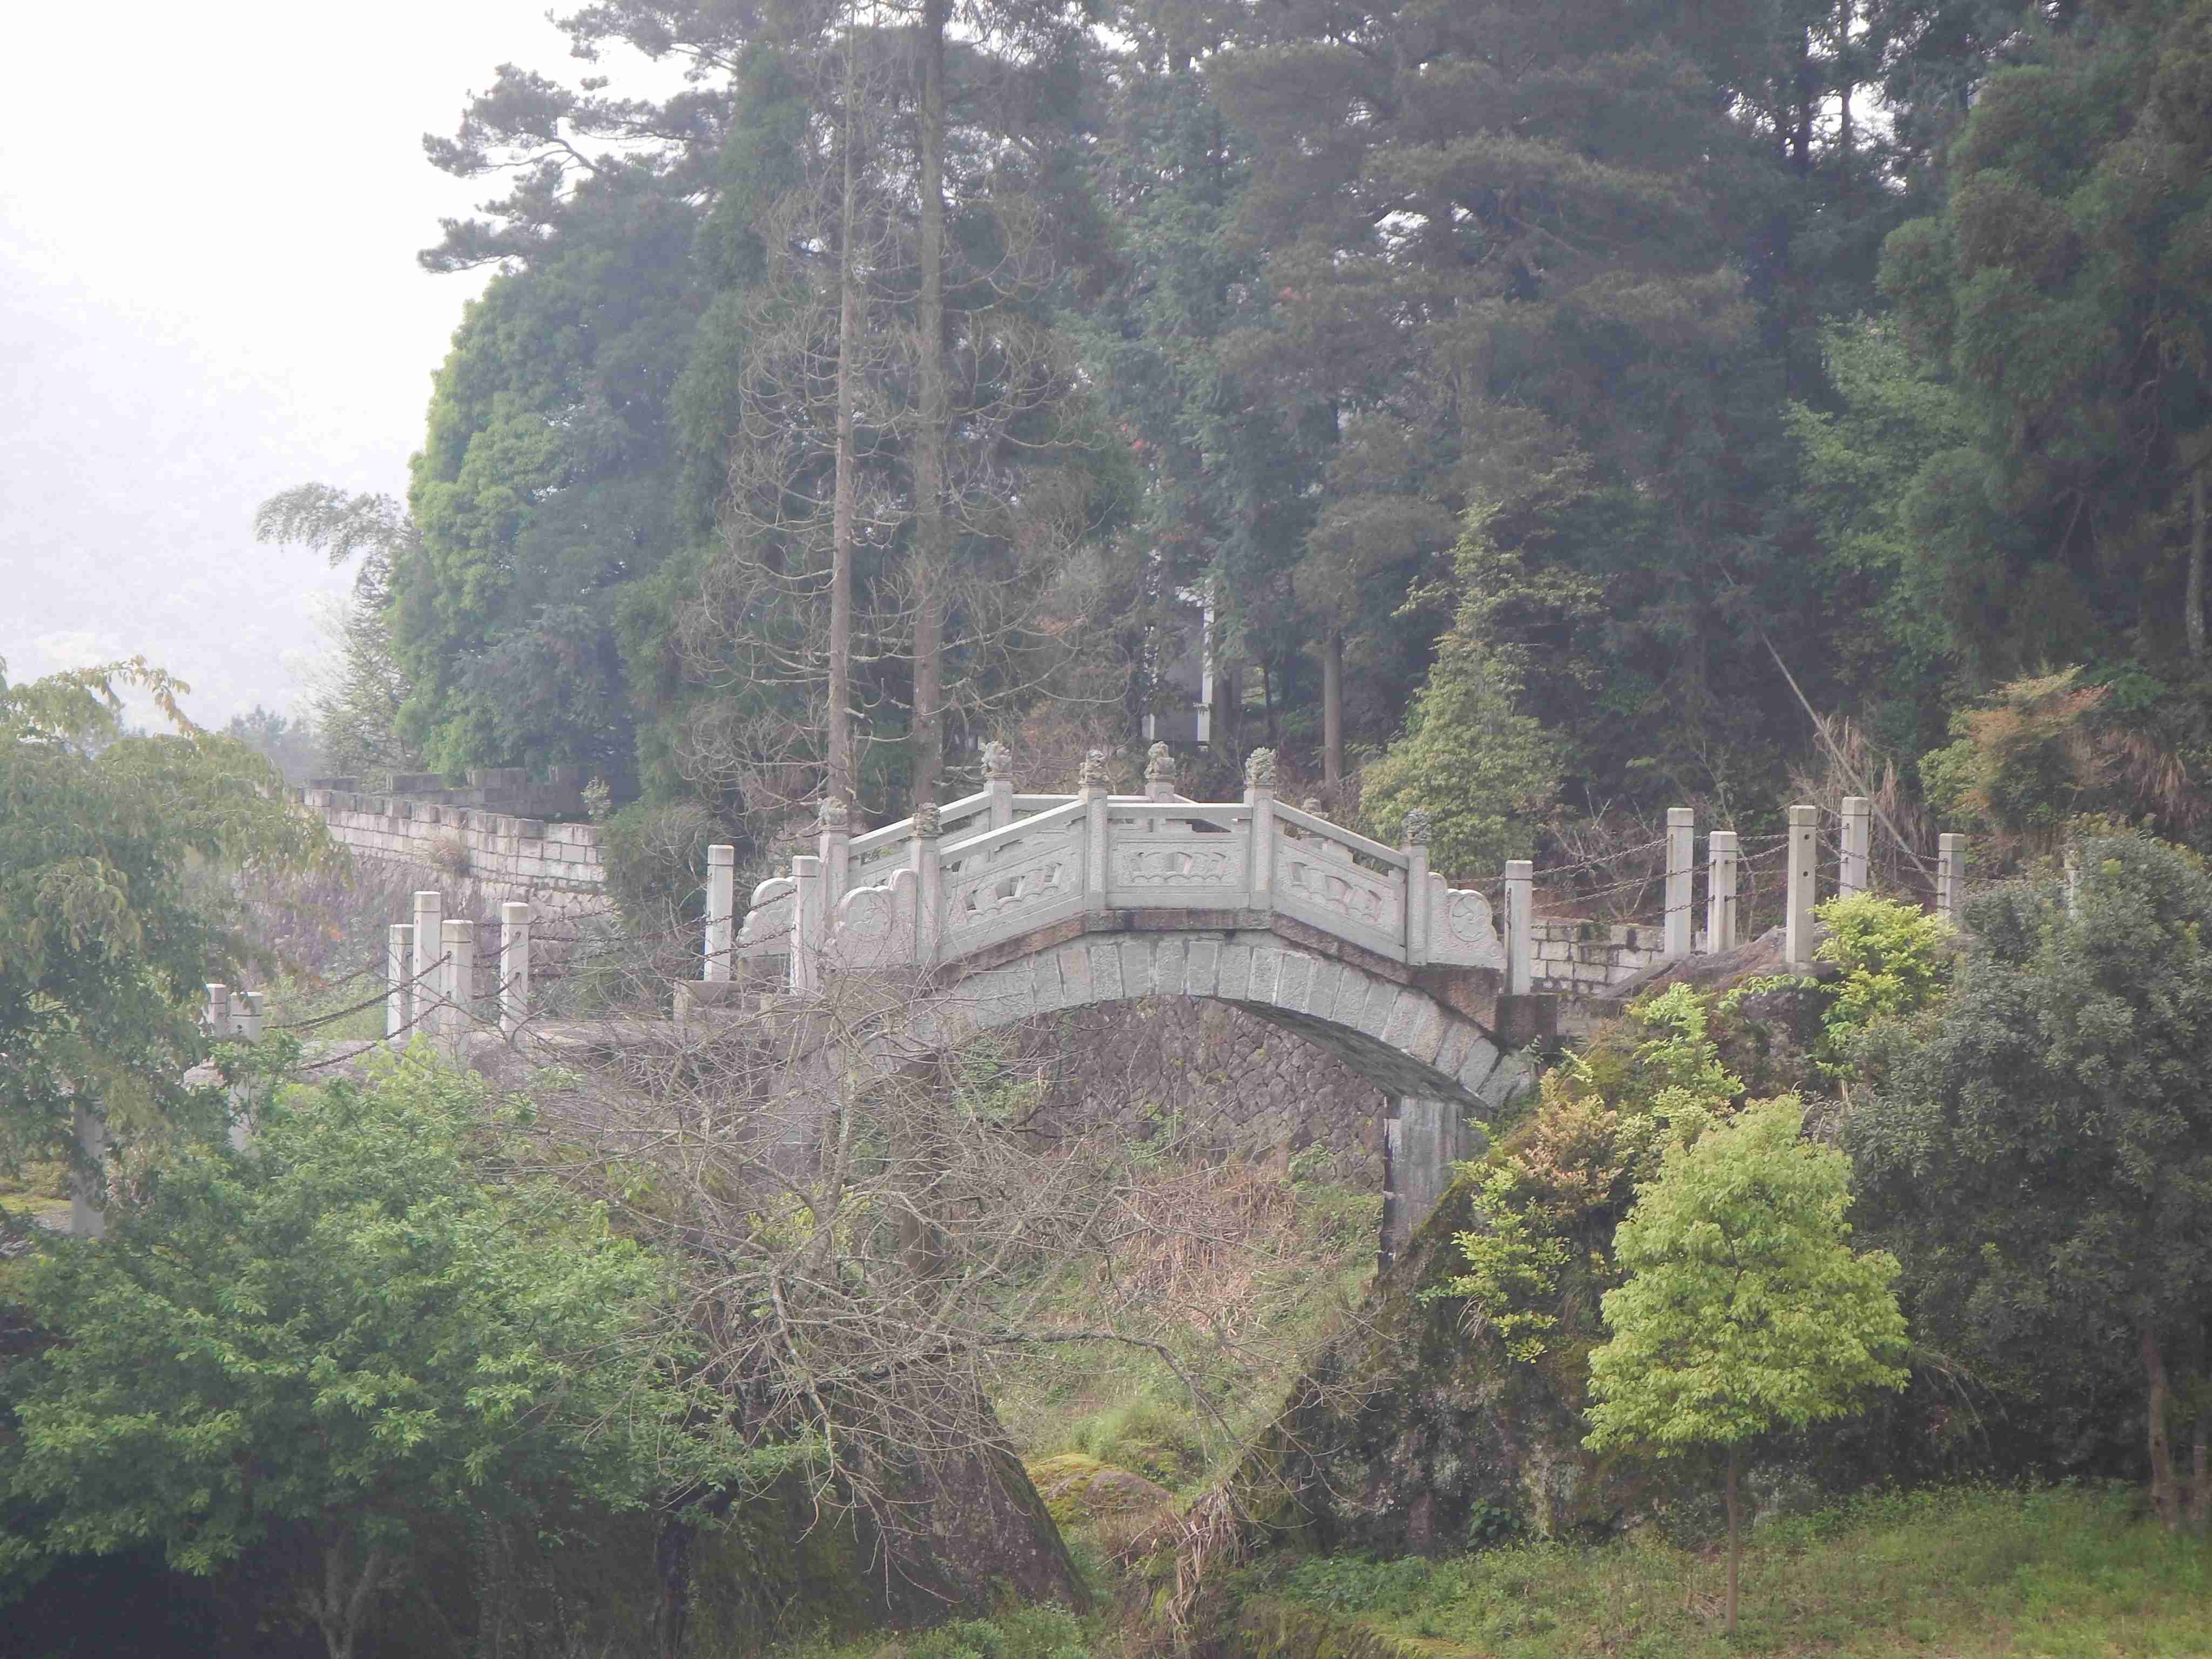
[{"x": 1744, "y": 1309}]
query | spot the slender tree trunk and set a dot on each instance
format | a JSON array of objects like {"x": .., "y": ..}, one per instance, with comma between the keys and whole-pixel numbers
[
  {"x": 1332, "y": 714},
  {"x": 2192, "y": 604},
  {"x": 2200, "y": 1470},
  {"x": 1267, "y": 701},
  {"x": 2163, "y": 1498},
  {"x": 1736, "y": 1536},
  {"x": 931, "y": 555},
  {"x": 672, "y": 1561},
  {"x": 1845, "y": 13},
  {"x": 1801, "y": 140},
  {"x": 842, "y": 511}
]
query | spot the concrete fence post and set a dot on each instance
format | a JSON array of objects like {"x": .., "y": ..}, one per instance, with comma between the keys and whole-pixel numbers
[
  {"x": 834, "y": 844},
  {"x": 1797, "y": 918},
  {"x": 928, "y": 884},
  {"x": 1416, "y": 847},
  {"x": 999, "y": 783},
  {"x": 1721, "y": 855},
  {"x": 459, "y": 938},
  {"x": 1950, "y": 876},
  {"x": 1854, "y": 873},
  {"x": 514, "y": 965},
  {"x": 1681, "y": 865},
  {"x": 721, "y": 911},
  {"x": 399, "y": 969},
  {"x": 1520, "y": 926},
  {"x": 1159, "y": 773},
  {"x": 245, "y": 1016},
  {"x": 1093, "y": 789},
  {"x": 429, "y": 943},
  {"x": 88, "y": 1182},
  {"x": 1260, "y": 796},
  {"x": 216, "y": 1014},
  {"x": 808, "y": 929}
]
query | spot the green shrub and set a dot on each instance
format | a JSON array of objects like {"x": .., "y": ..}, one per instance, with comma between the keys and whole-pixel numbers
[
  {"x": 655, "y": 854},
  {"x": 1147, "y": 1436}
]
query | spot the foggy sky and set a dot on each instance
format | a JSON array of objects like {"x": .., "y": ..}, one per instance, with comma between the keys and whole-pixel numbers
[{"x": 209, "y": 218}]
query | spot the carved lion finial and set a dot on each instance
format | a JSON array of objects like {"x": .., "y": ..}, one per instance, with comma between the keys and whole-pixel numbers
[
  {"x": 1417, "y": 826},
  {"x": 1092, "y": 773},
  {"x": 1259, "y": 768},
  {"x": 926, "y": 824},
  {"x": 1159, "y": 764},
  {"x": 997, "y": 761},
  {"x": 836, "y": 814}
]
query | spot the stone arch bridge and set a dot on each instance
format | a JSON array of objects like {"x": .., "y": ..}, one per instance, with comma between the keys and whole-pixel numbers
[{"x": 1003, "y": 906}]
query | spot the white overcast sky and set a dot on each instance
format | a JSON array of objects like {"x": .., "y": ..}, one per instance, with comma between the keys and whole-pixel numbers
[{"x": 209, "y": 218}]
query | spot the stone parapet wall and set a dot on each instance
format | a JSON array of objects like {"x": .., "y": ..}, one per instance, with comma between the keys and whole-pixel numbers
[
  {"x": 558, "y": 864},
  {"x": 508, "y": 789}
]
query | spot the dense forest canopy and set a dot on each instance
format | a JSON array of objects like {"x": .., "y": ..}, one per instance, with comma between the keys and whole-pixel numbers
[{"x": 1651, "y": 379}]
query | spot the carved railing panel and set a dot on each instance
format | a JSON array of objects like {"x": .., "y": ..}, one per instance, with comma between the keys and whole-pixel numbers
[
  {"x": 1194, "y": 856},
  {"x": 1462, "y": 932},
  {"x": 1319, "y": 882},
  {"x": 768, "y": 916},
  {"x": 1004, "y": 883}
]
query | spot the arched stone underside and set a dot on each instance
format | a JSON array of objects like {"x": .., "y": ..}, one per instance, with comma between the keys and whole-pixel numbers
[{"x": 1441, "y": 1069}]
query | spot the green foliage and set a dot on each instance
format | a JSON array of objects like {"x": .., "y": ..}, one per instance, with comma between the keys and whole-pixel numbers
[
  {"x": 1744, "y": 1308},
  {"x": 1548, "y": 1196},
  {"x": 1896, "y": 959},
  {"x": 1970, "y": 1572},
  {"x": 1148, "y": 1435},
  {"x": 656, "y": 860},
  {"x": 104, "y": 944},
  {"x": 356, "y": 1332},
  {"x": 2066, "y": 289},
  {"x": 2042, "y": 1157}
]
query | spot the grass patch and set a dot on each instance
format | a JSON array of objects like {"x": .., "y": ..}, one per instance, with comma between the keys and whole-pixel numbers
[
  {"x": 2069, "y": 1573},
  {"x": 40, "y": 1190}
]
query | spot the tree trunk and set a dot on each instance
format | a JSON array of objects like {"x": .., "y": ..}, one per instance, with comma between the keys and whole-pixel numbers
[
  {"x": 672, "y": 1561},
  {"x": 2200, "y": 1469},
  {"x": 2192, "y": 604},
  {"x": 1332, "y": 714},
  {"x": 337, "y": 1610},
  {"x": 1845, "y": 14},
  {"x": 1801, "y": 139},
  {"x": 840, "y": 735},
  {"x": 2163, "y": 1498},
  {"x": 930, "y": 550},
  {"x": 1736, "y": 1543}
]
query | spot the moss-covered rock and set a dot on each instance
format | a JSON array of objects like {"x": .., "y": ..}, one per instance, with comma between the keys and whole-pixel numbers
[
  {"x": 1411, "y": 1435},
  {"x": 1080, "y": 1490}
]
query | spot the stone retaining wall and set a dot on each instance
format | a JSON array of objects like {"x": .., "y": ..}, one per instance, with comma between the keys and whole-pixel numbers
[
  {"x": 1576, "y": 958},
  {"x": 557, "y": 866}
]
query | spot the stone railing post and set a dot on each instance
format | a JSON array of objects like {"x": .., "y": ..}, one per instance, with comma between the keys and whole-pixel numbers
[
  {"x": 1854, "y": 869},
  {"x": 928, "y": 884},
  {"x": 999, "y": 783},
  {"x": 1159, "y": 773},
  {"x": 216, "y": 1014},
  {"x": 1720, "y": 853},
  {"x": 398, "y": 972},
  {"x": 514, "y": 966},
  {"x": 88, "y": 1186},
  {"x": 429, "y": 916},
  {"x": 808, "y": 926},
  {"x": 1415, "y": 845},
  {"x": 721, "y": 912},
  {"x": 1681, "y": 871},
  {"x": 459, "y": 938},
  {"x": 245, "y": 1016},
  {"x": 834, "y": 842},
  {"x": 1797, "y": 918},
  {"x": 1090, "y": 783},
  {"x": 1260, "y": 796},
  {"x": 1520, "y": 926},
  {"x": 1950, "y": 876}
]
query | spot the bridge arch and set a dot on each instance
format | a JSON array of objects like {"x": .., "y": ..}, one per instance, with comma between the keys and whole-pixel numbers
[{"x": 1002, "y": 907}]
